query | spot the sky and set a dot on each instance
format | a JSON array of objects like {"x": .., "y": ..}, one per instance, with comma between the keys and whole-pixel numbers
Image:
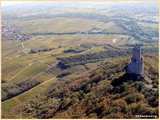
[{"x": 14, "y": 2}]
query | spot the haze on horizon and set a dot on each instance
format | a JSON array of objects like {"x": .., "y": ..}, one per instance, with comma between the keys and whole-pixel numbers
[{"x": 15, "y": 3}]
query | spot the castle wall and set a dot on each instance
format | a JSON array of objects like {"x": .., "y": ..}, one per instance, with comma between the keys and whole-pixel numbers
[{"x": 136, "y": 65}]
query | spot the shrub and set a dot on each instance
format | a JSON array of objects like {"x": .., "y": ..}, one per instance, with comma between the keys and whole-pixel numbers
[
  {"x": 10, "y": 90},
  {"x": 135, "y": 97},
  {"x": 152, "y": 101},
  {"x": 152, "y": 97},
  {"x": 118, "y": 115},
  {"x": 125, "y": 87},
  {"x": 120, "y": 105},
  {"x": 92, "y": 115},
  {"x": 141, "y": 109},
  {"x": 139, "y": 85}
]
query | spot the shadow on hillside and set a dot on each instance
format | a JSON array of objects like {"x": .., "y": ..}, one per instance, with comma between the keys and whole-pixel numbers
[{"x": 126, "y": 78}]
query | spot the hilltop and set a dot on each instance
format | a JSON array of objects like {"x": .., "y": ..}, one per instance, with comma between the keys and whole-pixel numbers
[{"x": 92, "y": 94}]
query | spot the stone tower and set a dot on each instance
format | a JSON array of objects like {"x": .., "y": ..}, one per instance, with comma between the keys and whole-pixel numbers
[{"x": 136, "y": 67}]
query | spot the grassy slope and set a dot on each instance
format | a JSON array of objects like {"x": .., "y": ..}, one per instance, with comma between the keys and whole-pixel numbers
[
  {"x": 94, "y": 87},
  {"x": 9, "y": 105}
]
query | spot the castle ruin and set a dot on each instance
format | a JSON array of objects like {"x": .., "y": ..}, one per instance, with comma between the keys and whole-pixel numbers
[{"x": 136, "y": 67}]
